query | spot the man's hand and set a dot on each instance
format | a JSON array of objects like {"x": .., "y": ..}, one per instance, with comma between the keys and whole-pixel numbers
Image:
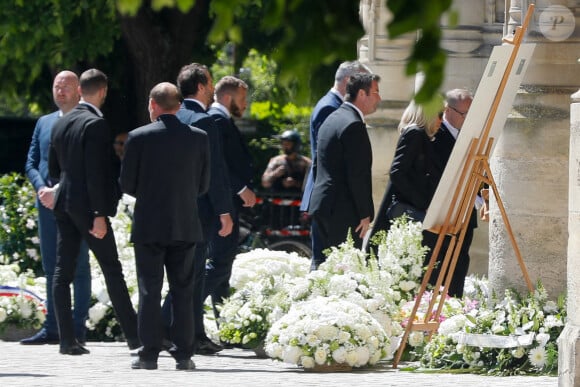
[
  {"x": 99, "y": 229},
  {"x": 484, "y": 210},
  {"x": 227, "y": 225},
  {"x": 363, "y": 227},
  {"x": 46, "y": 197},
  {"x": 248, "y": 197}
]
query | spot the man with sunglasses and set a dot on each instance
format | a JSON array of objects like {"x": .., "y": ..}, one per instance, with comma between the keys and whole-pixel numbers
[{"x": 457, "y": 104}]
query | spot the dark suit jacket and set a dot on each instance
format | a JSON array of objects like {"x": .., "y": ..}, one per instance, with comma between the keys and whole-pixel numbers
[
  {"x": 237, "y": 156},
  {"x": 166, "y": 166},
  {"x": 414, "y": 174},
  {"x": 343, "y": 185},
  {"x": 326, "y": 105},
  {"x": 81, "y": 157},
  {"x": 443, "y": 144},
  {"x": 218, "y": 200}
]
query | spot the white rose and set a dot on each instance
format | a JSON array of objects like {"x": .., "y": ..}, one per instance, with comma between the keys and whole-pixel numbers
[
  {"x": 3, "y": 314},
  {"x": 339, "y": 355},
  {"x": 291, "y": 354},
  {"x": 363, "y": 356},
  {"x": 519, "y": 352},
  {"x": 320, "y": 355},
  {"x": 307, "y": 362},
  {"x": 40, "y": 316},
  {"x": 351, "y": 358}
]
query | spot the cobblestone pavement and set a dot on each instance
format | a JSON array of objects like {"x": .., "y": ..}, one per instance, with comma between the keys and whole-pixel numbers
[{"x": 108, "y": 364}]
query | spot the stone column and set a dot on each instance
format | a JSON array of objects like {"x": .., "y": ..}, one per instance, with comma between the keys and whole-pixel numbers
[
  {"x": 530, "y": 162},
  {"x": 569, "y": 340}
]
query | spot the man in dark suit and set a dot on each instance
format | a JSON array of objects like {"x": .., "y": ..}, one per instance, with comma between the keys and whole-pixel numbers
[
  {"x": 196, "y": 86},
  {"x": 66, "y": 97},
  {"x": 165, "y": 167},
  {"x": 457, "y": 104},
  {"x": 81, "y": 157},
  {"x": 326, "y": 105},
  {"x": 230, "y": 93},
  {"x": 342, "y": 196}
]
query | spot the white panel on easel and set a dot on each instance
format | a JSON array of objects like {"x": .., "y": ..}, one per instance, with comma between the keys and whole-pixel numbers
[{"x": 475, "y": 123}]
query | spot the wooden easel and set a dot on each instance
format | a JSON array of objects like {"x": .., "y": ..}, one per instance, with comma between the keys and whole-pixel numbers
[{"x": 476, "y": 170}]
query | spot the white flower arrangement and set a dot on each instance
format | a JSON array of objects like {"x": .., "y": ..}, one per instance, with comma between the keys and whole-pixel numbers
[
  {"x": 264, "y": 263},
  {"x": 247, "y": 315},
  {"x": 401, "y": 256},
  {"x": 504, "y": 320},
  {"x": 327, "y": 331},
  {"x": 21, "y": 298}
]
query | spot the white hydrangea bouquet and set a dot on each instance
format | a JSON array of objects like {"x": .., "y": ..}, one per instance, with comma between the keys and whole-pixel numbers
[
  {"x": 327, "y": 331},
  {"x": 247, "y": 315},
  {"x": 264, "y": 263}
]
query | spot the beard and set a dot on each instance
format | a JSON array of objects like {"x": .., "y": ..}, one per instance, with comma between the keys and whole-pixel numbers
[{"x": 235, "y": 110}]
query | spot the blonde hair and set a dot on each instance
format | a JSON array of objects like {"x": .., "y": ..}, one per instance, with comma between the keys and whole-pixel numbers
[{"x": 414, "y": 114}]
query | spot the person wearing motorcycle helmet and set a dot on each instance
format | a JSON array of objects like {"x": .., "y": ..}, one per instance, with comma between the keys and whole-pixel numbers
[{"x": 286, "y": 172}]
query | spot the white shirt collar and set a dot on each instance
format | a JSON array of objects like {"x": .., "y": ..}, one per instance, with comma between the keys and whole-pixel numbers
[
  {"x": 454, "y": 132},
  {"x": 196, "y": 101},
  {"x": 99, "y": 112},
  {"x": 221, "y": 108}
]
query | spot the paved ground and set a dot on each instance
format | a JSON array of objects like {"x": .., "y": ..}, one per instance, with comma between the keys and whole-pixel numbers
[{"x": 108, "y": 364}]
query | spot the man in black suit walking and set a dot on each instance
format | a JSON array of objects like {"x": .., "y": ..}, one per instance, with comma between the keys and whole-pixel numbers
[
  {"x": 81, "y": 157},
  {"x": 326, "y": 105},
  {"x": 231, "y": 102},
  {"x": 342, "y": 194},
  {"x": 196, "y": 86},
  {"x": 165, "y": 167}
]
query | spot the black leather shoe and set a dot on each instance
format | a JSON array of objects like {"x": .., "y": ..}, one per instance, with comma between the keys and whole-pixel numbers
[
  {"x": 42, "y": 337},
  {"x": 207, "y": 347},
  {"x": 185, "y": 365},
  {"x": 74, "y": 349},
  {"x": 144, "y": 364}
]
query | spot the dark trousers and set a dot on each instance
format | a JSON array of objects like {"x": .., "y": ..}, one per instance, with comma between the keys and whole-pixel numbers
[
  {"x": 222, "y": 252},
  {"x": 178, "y": 260},
  {"x": 200, "y": 258},
  {"x": 317, "y": 256},
  {"x": 462, "y": 266},
  {"x": 72, "y": 229},
  {"x": 333, "y": 231},
  {"x": 82, "y": 278}
]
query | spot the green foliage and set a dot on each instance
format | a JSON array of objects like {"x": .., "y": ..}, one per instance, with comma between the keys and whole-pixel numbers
[
  {"x": 19, "y": 241},
  {"x": 36, "y": 34}
]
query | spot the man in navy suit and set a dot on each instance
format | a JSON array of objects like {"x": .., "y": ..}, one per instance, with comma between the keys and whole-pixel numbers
[
  {"x": 196, "y": 86},
  {"x": 342, "y": 195},
  {"x": 66, "y": 97},
  {"x": 165, "y": 167},
  {"x": 326, "y": 105},
  {"x": 81, "y": 157},
  {"x": 230, "y": 93},
  {"x": 457, "y": 104}
]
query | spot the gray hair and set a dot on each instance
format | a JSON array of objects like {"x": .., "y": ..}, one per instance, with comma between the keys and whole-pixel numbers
[
  {"x": 348, "y": 69},
  {"x": 454, "y": 96}
]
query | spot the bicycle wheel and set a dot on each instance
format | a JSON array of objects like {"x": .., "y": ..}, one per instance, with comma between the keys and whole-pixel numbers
[{"x": 292, "y": 246}]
